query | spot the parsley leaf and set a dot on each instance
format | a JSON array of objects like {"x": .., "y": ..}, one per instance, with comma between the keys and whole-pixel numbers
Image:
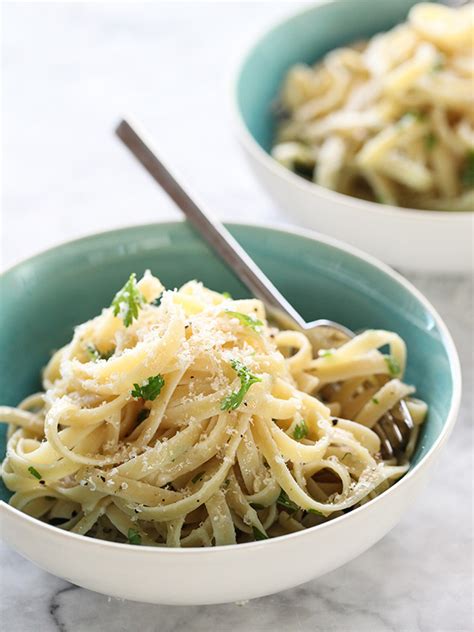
[
  {"x": 134, "y": 537},
  {"x": 142, "y": 415},
  {"x": 393, "y": 366},
  {"x": 151, "y": 389},
  {"x": 95, "y": 354},
  {"x": 375, "y": 400},
  {"x": 315, "y": 512},
  {"x": 285, "y": 502},
  {"x": 259, "y": 535},
  {"x": 234, "y": 400},
  {"x": 467, "y": 175},
  {"x": 325, "y": 353},
  {"x": 430, "y": 141},
  {"x": 196, "y": 478},
  {"x": 226, "y": 295},
  {"x": 34, "y": 472},
  {"x": 300, "y": 431},
  {"x": 246, "y": 320},
  {"x": 128, "y": 301}
]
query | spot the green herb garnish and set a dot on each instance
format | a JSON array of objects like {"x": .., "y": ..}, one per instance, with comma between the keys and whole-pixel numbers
[
  {"x": 300, "y": 431},
  {"x": 128, "y": 301},
  {"x": 95, "y": 354},
  {"x": 226, "y": 295},
  {"x": 34, "y": 472},
  {"x": 416, "y": 115},
  {"x": 430, "y": 141},
  {"x": 134, "y": 537},
  {"x": 245, "y": 319},
  {"x": 284, "y": 500},
  {"x": 375, "y": 400},
  {"x": 315, "y": 512},
  {"x": 259, "y": 535},
  {"x": 142, "y": 415},
  {"x": 198, "y": 477},
  {"x": 325, "y": 353},
  {"x": 393, "y": 366},
  {"x": 467, "y": 175},
  {"x": 151, "y": 389},
  {"x": 234, "y": 400}
]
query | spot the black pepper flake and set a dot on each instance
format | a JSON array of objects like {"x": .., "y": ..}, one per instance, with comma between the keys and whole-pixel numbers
[
  {"x": 42, "y": 482},
  {"x": 102, "y": 478},
  {"x": 245, "y": 404},
  {"x": 191, "y": 377},
  {"x": 136, "y": 510},
  {"x": 334, "y": 421}
]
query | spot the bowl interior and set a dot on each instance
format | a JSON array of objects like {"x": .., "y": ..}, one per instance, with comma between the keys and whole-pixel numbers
[
  {"x": 44, "y": 297},
  {"x": 305, "y": 38}
]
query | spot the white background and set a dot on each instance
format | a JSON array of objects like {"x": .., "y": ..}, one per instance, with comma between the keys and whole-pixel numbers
[{"x": 69, "y": 71}]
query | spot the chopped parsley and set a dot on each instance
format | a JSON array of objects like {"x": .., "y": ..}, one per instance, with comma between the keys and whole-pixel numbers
[
  {"x": 142, "y": 415},
  {"x": 467, "y": 175},
  {"x": 226, "y": 295},
  {"x": 234, "y": 400},
  {"x": 284, "y": 500},
  {"x": 259, "y": 535},
  {"x": 430, "y": 141},
  {"x": 375, "y": 400},
  {"x": 134, "y": 537},
  {"x": 393, "y": 365},
  {"x": 325, "y": 353},
  {"x": 315, "y": 512},
  {"x": 128, "y": 301},
  {"x": 198, "y": 477},
  {"x": 300, "y": 431},
  {"x": 151, "y": 389},
  {"x": 246, "y": 320},
  {"x": 95, "y": 354},
  {"x": 34, "y": 472}
]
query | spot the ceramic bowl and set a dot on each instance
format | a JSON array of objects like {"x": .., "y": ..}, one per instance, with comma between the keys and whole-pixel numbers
[
  {"x": 408, "y": 238},
  {"x": 43, "y": 298}
]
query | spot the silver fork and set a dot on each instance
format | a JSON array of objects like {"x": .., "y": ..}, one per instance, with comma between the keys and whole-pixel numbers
[{"x": 394, "y": 427}]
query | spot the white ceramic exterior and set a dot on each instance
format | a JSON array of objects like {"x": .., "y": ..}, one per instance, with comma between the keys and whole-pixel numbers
[
  {"x": 406, "y": 238},
  {"x": 214, "y": 575},
  {"x": 237, "y": 572}
]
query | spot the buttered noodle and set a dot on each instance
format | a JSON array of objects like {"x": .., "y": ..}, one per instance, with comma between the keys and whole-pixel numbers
[
  {"x": 195, "y": 423},
  {"x": 392, "y": 119}
]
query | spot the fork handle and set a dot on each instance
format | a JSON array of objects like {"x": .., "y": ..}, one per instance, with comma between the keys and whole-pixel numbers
[{"x": 209, "y": 227}]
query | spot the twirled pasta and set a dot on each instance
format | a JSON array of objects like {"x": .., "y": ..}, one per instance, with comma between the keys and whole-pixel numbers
[
  {"x": 196, "y": 423},
  {"x": 389, "y": 120}
]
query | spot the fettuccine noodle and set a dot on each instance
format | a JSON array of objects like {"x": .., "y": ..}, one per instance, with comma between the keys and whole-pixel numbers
[
  {"x": 182, "y": 418},
  {"x": 390, "y": 120}
]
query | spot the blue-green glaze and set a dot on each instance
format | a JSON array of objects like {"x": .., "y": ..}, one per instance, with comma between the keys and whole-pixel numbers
[
  {"x": 305, "y": 38},
  {"x": 43, "y": 298}
]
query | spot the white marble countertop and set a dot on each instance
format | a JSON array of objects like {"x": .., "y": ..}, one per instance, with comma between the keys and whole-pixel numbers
[{"x": 70, "y": 71}]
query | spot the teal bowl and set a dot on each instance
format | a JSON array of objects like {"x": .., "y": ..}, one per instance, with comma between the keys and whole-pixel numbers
[
  {"x": 45, "y": 297},
  {"x": 305, "y": 37}
]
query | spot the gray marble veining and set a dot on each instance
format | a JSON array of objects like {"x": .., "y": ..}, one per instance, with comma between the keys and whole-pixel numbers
[{"x": 70, "y": 71}]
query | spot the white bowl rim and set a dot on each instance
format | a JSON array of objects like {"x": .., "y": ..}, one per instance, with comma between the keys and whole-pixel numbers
[
  {"x": 293, "y": 179},
  {"x": 312, "y": 235}
]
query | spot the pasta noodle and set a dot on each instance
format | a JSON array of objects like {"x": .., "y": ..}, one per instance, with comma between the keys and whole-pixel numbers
[
  {"x": 183, "y": 418},
  {"x": 390, "y": 120}
]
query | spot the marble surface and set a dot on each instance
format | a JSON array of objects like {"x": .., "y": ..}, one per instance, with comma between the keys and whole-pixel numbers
[{"x": 69, "y": 71}]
